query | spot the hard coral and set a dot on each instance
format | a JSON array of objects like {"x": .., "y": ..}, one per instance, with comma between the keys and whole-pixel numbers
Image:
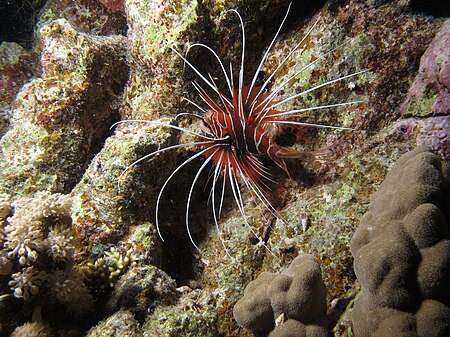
[
  {"x": 25, "y": 229},
  {"x": 139, "y": 288},
  {"x": 60, "y": 243},
  {"x": 121, "y": 323},
  {"x": 292, "y": 303},
  {"x": 402, "y": 250},
  {"x": 113, "y": 264}
]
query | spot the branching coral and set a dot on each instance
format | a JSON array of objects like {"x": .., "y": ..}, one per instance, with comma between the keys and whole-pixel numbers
[
  {"x": 113, "y": 263},
  {"x": 27, "y": 282},
  {"x": 5, "y": 211},
  {"x": 59, "y": 243},
  {"x": 23, "y": 238},
  {"x": 39, "y": 227},
  {"x": 25, "y": 231}
]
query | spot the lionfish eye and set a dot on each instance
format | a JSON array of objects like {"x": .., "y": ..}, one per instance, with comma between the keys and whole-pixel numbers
[{"x": 205, "y": 127}]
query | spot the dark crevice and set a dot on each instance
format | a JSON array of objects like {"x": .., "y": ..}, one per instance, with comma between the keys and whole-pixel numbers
[
  {"x": 439, "y": 8},
  {"x": 179, "y": 254},
  {"x": 17, "y": 20}
]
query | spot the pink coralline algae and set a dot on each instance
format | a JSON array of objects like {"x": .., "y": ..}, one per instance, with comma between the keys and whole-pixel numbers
[
  {"x": 435, "y": 133},
  {"x": 432, "y": 82},
  {"x": 113, "y": 5}
]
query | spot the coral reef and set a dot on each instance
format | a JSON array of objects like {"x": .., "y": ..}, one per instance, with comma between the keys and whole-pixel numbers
[
  {"x": 37, "y": 254},
  {"x": 193, "y": 314},
  {"x": 291, "y": 303},
  {"x": 142, "y": 288},
  {"x": 121, "y": 323},
  {"x": 68, "y": 287},
  {"x": 113, "y": 264},
  {"x": 52, "y": 115},
  {"x": 96, "y": 263},
  {"x": 401, "y": 252},
  {"x": 15, "y": 70}
]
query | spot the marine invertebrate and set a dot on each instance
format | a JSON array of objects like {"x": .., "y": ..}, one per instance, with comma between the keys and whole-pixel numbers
[
  {"x": 113, "y": 263},
  {"x": 401, "y": 252},
  {"x": 292, "y": 303},
  {"x": 69, "y": 288},
  {"x": 31, "y": 229},
  {"x": 237, "y": 129},
  {"x": 36, "y": 329},
  {"x": 27, "y": 282},
  {"x": 60, "y": 243},
  {"x": 25, "y": 229}
]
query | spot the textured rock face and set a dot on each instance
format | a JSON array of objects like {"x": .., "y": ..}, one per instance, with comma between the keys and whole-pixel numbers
[
  {"x": 291, "y": 303},
  {"x": 431, "y": 87},
  {"x": 59, "y": 117},
  {"x": 402, "y": 250}
]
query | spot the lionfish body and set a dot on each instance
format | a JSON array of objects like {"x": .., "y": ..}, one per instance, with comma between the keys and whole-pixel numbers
[
  {"x": 242, "y": 130},
  {"x": 236, "y": 132}
]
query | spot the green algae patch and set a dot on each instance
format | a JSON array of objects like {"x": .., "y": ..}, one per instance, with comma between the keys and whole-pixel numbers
[
  {"x": 420, "y": 106},
  {"x": 24, "y": 149},
  {"x": 155, "y": 28},
  {"x": 193, "y": 315}
]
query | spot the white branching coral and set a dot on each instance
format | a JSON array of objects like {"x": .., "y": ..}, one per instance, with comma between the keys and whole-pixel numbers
[
  {"x": 46, "y": 204},
  {"x": 23, "y": 238},
  {"x": 27, "y": 282},
  {"x": 69, "y": 289},
  {"x": 24, "y": 235},
  {"x": 5, "y": 211},
  {"x": 60, "y": 243},
  {"x": 31, "y": 229}
]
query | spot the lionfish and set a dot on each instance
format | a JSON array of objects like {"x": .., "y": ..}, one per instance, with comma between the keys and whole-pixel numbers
[{"x": 235, "y": 129}]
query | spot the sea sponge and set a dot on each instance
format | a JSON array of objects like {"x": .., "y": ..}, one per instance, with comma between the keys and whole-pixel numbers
[
  {"x": 292, "y": 303},
  {"x": 402, "y": 252}
]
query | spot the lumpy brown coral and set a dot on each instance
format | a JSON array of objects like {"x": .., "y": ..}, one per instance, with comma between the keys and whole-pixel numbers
[
  {"x": 402, "y": 250},
  {"x": 292, "y": 303}
]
